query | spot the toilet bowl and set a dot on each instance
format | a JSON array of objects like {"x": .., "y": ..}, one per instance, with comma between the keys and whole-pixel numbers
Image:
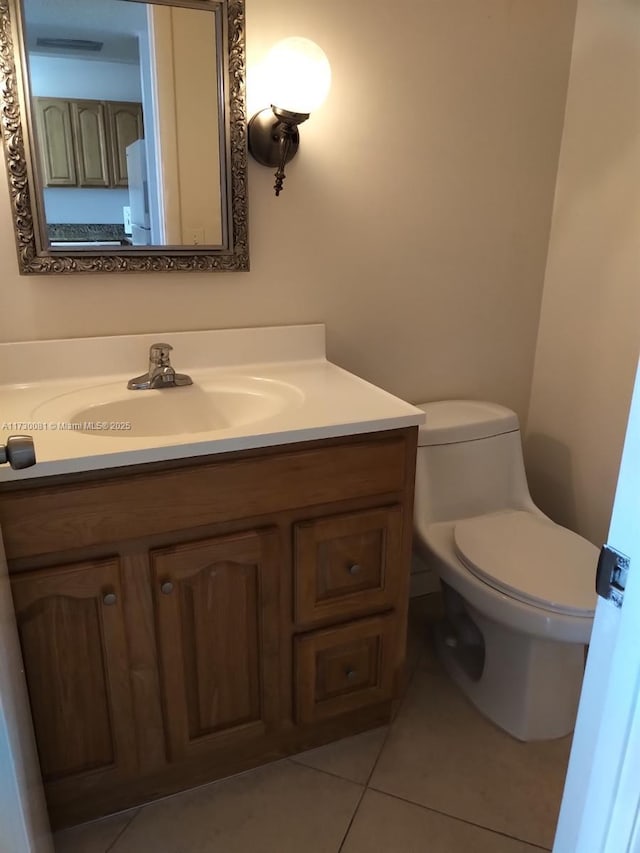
[{"x": 518, "y": 589}]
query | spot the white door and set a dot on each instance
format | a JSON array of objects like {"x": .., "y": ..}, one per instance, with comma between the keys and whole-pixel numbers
[
  {"x": 24, "y": 827},
  {"x": 600, "y": 810}
]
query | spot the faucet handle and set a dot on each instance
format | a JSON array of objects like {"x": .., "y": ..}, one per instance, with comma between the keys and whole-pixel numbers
[{"x": 159, "y": 354}]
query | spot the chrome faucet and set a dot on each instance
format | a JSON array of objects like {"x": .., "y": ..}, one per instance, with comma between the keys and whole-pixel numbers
[{"x": 160, "y": 374}]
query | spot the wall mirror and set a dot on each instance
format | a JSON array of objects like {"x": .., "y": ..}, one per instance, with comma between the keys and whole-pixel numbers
[{"x": 124, "y": 129}]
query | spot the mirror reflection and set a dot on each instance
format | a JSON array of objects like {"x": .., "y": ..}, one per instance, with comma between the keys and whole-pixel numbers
[{"x": 128, "y": 123}]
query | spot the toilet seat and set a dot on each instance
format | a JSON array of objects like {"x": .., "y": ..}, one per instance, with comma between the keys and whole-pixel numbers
[{"x": 531, "y": 559}]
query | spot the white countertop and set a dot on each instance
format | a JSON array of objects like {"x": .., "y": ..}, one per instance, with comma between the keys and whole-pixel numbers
[{"x": 323, "y": 400}]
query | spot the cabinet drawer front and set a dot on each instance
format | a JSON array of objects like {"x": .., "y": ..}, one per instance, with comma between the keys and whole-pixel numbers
[
  {"x": 71, "y": 627},
  {"x": 343, "y": 669},
  {"x": 216, "y": 604},
  {"x": 348, "y": 564}
]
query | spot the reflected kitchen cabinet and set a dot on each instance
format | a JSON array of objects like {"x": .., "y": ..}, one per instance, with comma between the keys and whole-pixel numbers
[
  {"x": 55, "y": 137},
  {"x": 90, "y": 138},
  {"x": 124, "y": 121},
  {"x": 83, "y": 143}
]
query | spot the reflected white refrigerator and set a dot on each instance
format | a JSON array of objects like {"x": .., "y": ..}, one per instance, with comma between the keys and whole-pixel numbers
[{"x": 139, "y": 193}]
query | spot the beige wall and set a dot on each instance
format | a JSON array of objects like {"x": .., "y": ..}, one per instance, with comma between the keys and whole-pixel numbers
[
  {"x": 590, "y": 324},
  {"x": 414, "y": 221}
]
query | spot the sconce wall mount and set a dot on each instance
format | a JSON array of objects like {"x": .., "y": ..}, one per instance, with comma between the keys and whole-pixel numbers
[
  {"x": 274, "y": 139},
  {"x": 299, "y": 78}
]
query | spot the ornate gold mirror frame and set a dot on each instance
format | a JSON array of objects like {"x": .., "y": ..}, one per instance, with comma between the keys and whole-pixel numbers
[{"x": 36, "y": 255}]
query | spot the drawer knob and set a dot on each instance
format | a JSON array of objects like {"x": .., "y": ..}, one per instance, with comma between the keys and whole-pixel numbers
[
  {"x": 350, "y": 674},
  {"x": 166, "y": 588},
  {"x": 355, "y": 569},
  {"x": 109, "y": 599}
]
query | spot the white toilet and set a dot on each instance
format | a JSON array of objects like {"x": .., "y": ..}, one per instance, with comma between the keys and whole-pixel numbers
[{"x": 519, "y": 590}]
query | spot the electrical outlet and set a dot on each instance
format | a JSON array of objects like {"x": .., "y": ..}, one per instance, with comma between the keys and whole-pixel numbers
[{"x": 195, "y": 237}]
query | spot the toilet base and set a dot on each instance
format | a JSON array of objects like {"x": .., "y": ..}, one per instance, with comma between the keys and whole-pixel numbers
[{"x": 527, "y": 686}]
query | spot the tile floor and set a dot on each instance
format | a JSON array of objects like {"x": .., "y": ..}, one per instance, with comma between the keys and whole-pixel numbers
[{"x": 439, "y": 779}]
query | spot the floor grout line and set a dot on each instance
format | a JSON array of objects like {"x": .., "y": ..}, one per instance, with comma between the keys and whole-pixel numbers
[
  {"x": 416, "y": 667},
  {"x": 326, "y": 772},
  {"x": 124, "y": 829},
  {"x": 458, "y": 818},
  {"x": 382, "y": 746},
  {"x": 365, "y": 788}
]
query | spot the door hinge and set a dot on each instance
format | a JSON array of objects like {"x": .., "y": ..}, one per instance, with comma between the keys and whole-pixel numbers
[{"x": 611, "y": 576}]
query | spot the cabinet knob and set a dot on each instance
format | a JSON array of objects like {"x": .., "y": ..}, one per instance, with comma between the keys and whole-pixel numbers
[
  {"x": 350, "y": 674},
  {"x": 354, "y": 569},
  {"x": 109, "y": 599},
  {"x": 166, "y": 588}
]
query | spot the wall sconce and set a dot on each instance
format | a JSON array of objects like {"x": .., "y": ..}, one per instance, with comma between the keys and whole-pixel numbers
[{"x": 298, "y": 80}]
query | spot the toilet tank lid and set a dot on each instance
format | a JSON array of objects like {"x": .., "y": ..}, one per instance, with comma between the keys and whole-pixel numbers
[{"x": 452, "y": 421}]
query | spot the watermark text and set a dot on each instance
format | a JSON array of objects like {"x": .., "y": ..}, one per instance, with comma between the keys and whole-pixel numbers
[{"x": 67, "y": 426}]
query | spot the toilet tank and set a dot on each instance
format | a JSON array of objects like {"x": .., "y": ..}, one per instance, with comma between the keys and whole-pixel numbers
[{"x": 469, "y": 461}]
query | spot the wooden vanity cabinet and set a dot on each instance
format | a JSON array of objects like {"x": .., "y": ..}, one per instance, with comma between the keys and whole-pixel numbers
[{"x": 185, "y": 620}]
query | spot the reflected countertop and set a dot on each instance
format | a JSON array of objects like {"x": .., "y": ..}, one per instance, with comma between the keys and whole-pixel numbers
[{"x": 64, "y": 233}]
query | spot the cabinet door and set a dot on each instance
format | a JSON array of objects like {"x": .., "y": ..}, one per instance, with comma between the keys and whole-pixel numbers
[
  {"x": 347, "y": 565},
  {"x": 125, "y": 126},
  {"x": 74, "y": 648},
  {"x": 342, "y": 669},
  {"x": 217, "y": 617},
  {"x": 55, "y": 141},
  {"x": 90, "y": 137}
]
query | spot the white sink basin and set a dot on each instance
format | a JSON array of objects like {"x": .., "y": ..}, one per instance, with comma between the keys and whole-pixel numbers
[
  {"x": 253, "y": 388},
  {"x": 113, "y": 411}
]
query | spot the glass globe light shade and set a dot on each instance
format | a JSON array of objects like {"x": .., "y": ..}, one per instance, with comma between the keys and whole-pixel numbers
[{"x": 298, "y": 75}]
